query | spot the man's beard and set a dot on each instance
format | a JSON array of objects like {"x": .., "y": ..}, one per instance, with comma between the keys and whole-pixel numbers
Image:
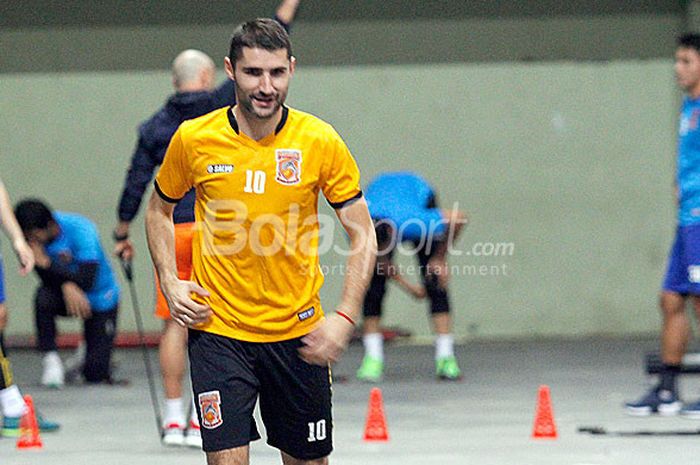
[{"x": 247, "y": 104}]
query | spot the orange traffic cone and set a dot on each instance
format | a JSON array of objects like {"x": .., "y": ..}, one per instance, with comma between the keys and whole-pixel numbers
[
  {"x": 375, "y": 427},
  {"x": 544, "y": 417},
  {"x": 29, "y": 427}
]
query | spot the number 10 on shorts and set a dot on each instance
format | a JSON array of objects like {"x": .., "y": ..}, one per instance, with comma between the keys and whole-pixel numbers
[{"x": 317, "y": 431}]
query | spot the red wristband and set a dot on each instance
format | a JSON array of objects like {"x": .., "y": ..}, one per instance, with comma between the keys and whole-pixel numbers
[{"x": 346, "y": 316}]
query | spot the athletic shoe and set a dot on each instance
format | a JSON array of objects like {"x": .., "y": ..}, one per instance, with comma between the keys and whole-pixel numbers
[
  {"x": 173, "y": 434},
  {"x": 446, "y": 368},
  {"x": 661, "y": 401},
  {"x": 370, "y": 370},
  {"x": 53, "y": 375},
  {"x": 691, "y": 411},
  {"x": 11, "y": 426},
  {"x": 193, "y": 435}
]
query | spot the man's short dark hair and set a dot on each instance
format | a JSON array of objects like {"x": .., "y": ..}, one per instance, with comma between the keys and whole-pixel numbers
[
  {"x": 33, "y": 214},
  {"x": 689, "y": 41},
  {"x": 263, "y": 33}
]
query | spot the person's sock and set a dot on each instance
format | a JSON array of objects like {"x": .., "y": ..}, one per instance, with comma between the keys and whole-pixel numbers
[
  {"x": 193, "y": 418},
  {"x": 667, "y": 379},
  {"x": 444, "y": 346},
  {"x": 374, "y": 345},
  {"x": 174, "y": 412},
  {"x": 11, "y": 402}
]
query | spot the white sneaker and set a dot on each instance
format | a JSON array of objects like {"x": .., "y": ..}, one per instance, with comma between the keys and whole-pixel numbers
[
  {"x": 193, "y": 436},
  {"x": 173, "y": 434},
  {"x": 53, "y": 375}
]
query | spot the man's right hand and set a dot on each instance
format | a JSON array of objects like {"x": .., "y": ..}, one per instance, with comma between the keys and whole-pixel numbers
[
  {"x": 76, "y": 301},
  {"x": 183, "y": 309},
  {"x": 124, "y": 250},
  {"x": 25, "y": 255}
]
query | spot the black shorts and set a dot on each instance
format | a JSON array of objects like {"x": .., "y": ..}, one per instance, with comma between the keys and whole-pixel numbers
[{"x": 228, "y": 375}]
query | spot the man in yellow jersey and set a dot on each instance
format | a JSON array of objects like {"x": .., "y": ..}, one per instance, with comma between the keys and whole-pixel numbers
[
  {"x": 257, "y": 328},
  {"x": 193, "y": 78}
]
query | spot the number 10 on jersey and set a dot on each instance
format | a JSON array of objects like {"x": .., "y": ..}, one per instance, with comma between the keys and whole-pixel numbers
[{"x": 254, "y": 181}]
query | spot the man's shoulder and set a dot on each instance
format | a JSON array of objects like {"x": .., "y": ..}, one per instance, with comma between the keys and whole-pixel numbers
[
  {"x": 160, "y": 127},
  {"x": 312, "y": 125},
  {"x": 73, "y": 223},
  {"x": 214, "y": 119}
]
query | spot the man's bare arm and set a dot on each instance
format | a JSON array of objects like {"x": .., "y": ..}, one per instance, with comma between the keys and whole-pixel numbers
[
  {"x": 160, "y": 233},
  {"x": 287, "y": 10},
  {"x": 327, "y": 342}
]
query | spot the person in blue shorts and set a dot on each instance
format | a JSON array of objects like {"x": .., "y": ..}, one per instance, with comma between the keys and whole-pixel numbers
[
  {"x": 77, "y": 280},
  {"x": 404, "y": 208},
  {"x": 682, "y": 280},
  {"x": 12, "y": 405}
]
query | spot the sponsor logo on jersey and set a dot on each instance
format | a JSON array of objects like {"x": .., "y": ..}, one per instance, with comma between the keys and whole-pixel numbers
[
  {"x": 220, "y": 168},
  {"x": 288, "y": 166},
  {"x": 210, "y": 408},
  {"x": 306, "y": 314}
]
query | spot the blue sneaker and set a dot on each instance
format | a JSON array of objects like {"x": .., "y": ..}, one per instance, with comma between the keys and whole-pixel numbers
[
  {"x": 11, "y": 429},
  {"x": 657, "y": 400},
  {"x": 691, "y": 411}
]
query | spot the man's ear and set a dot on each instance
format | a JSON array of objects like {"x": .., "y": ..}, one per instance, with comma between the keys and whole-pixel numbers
[
  {"x": 228, "y": 67},
  {"x": 292, "y": 64}
]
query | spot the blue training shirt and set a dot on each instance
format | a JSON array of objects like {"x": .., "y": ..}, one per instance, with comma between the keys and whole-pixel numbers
[
  {"x": 688, "y": 167},
  {"x": 403, "y": 198},
  {"x": 79, "y": 242}
]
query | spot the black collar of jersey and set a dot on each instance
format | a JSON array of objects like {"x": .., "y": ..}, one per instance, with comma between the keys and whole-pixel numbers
[{"x": 234, "y": 124}]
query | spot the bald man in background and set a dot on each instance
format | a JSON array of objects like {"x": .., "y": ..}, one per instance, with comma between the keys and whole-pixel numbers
[{"x": 194, "y": 75}]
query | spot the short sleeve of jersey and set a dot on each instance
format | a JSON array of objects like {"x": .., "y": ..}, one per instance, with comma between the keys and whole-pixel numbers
[
  {"x": 173, "y": 179},
  {"x": 341, "y": 176}
]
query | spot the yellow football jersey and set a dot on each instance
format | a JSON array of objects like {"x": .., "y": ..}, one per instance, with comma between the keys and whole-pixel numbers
[{"x": 255, "y": 245}]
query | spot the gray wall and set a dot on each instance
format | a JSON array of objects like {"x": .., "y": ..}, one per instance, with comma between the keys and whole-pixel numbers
[
  {"x": 569, "y": 162},
  {"x": 553, "y": 127},
  {"x": 48, "y": 36}
]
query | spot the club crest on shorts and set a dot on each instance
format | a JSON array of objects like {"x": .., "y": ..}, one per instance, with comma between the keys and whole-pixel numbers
[
  {"x": 288, "y": 166},
  {"x": 210, "y": 409}
]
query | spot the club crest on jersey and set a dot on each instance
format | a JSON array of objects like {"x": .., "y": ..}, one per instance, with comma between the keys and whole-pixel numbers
[
  {"x": 288, "y": 166},
  {"x": 210, "y": 408}
]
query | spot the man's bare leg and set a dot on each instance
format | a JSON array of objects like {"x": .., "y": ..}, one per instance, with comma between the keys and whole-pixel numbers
[
  {"x": 289, "y": 460},
  {"x": 235, "y": 456}
]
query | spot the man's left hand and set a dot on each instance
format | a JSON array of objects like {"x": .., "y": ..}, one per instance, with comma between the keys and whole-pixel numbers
[
  {"x": 41, "y": 259},
  {"x": 327, "y": 343}
]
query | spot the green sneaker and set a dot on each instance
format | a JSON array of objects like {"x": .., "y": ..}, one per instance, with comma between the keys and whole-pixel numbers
[
  {"x": 370, "y": 370},
  {"x": 10, "y": 426},
  {"x": 446, "y": 368}
]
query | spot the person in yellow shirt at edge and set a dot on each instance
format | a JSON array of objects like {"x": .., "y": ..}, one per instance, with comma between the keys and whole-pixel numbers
[{"x": 256, "y": 325}]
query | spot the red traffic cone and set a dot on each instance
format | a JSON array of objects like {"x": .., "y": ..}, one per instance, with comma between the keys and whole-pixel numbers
[
  {"x": 29, "y": 427},
  {"x": 375, "y": 427},
  {"x": 544, "y": 427}
]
